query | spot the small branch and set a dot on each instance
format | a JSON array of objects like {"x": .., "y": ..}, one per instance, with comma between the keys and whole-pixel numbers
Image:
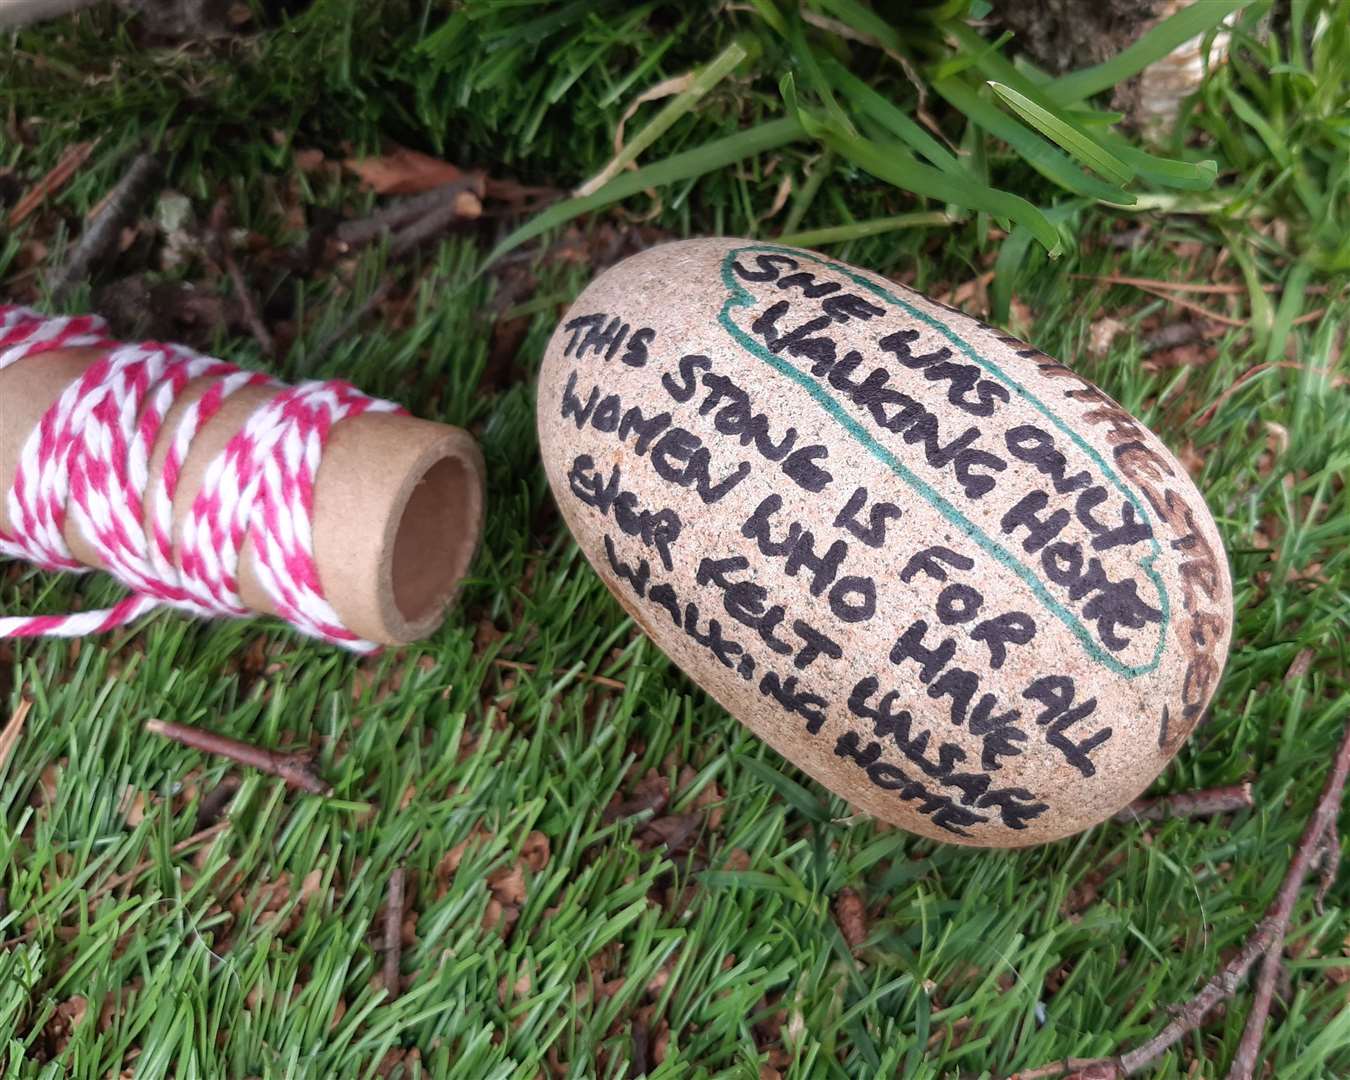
[
  {"x": 1266, "y": 940},
  {"x": 100, "y": 235},
  {"x": 393, "y": 931},
  {"x": 1190, "y": 305},
  {"x": 54, "y": 181},
  {"x": 1207, "y": 288},
  {"x": 465, "y": 206},
  {"x": 218, "y": 244},
  {"x": 295, "y": 769},
  {"x": 247, "y": 302},
  {"x": 391, "y": 218},
  {"x": 1319, "y": 826},
  {"x": 1189, "y": 804}
]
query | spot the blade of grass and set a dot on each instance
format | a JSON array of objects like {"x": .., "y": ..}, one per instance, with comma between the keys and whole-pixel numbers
[
  {"x": 993, "y": 65},
  {"x": 1154, "y": 170},
  {"x": 974, "y": 55},
  {"x": 806, "y": 195},
  {"x": 1164, "y": 172},
  {"x": 893, "y": 119},
  {"x": 708, "y": 76},
  {"x": 810, "y": 804},
  {"x": 1036, "y": 151},
  {"x": 683, "y": 166},
  {"x": 866, "y": 21},
  {"x": 1073, "y": 139},
  {"x": 1286, "y": 315},
  {"x": 897, "y": 166},
  {"x": 857, "y": 230},
  {"x": 815, "y": 77},
  {"x": 1013, "y": 253},
  {"x": 1263, "y": 315},
  {"x": 768, "y": 11}
]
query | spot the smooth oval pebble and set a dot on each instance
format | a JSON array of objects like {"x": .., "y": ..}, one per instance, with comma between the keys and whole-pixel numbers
[{"x": 949, "y": 578}]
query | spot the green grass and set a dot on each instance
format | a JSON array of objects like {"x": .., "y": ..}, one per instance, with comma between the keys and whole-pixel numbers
[{"x": 119, "y": 951}]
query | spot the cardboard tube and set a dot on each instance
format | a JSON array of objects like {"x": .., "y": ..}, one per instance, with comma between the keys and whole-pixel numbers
[{"x": 398, "y": 502}]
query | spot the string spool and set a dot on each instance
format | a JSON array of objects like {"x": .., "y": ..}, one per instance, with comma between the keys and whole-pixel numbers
[{"x": 220, "y": 491}]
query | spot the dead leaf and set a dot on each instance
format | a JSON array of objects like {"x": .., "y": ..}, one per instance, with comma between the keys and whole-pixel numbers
[
  {"x": 309, "y": 885},
  {"x": 737, "y": 859},
  {"x": 675, "y": 831},
  {"x": 308, "y": 160},
  {"x": 404, "y": 172},
  {"x": 66, "y": 1018},
  {"x": 132, "y": 806},
  {"x": 652, "y": 793},
  {"x": 48, "y": 782},
  {"x": 10, "y": 736},
  {"x": 508, "y": 885},
  {"x": 780, "y": 198},
  {"x": 1103, "y": 332},
  {"x": 851, "y": 915},
  {"x": 535, "y": 851},
  {"x": 509, "y": 991}
]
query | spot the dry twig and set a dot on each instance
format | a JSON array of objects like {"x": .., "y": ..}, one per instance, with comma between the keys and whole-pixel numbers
[
  {"x": 1203, "y": 287},
  {"x": 247, "y": 303},
  {"x": 393, "y": 931},
  {"x": 295, "y": 769},
  {"x": 1266, "y": 940},
  {"x": 100, "y": 234},
  {"x": 463, "y": 207},
  {"x": 1205, "y": 417},
  {"x": 54, "y": 181},
  {"x": 1189, "y": 804},
  {"x": 218, "y": 245},
  {"x": 1321, "y": 825},
  {"x": 460, "y": 196}
]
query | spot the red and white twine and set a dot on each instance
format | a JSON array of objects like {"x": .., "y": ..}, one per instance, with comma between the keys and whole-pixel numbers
[{"x": 88, "y": 461}]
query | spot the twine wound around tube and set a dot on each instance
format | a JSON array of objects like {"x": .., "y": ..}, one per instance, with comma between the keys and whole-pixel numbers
[{"x": 88, "y": 462}]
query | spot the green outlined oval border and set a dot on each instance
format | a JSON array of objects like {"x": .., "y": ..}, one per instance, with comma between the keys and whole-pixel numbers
[{"x": 740, "y": 296}]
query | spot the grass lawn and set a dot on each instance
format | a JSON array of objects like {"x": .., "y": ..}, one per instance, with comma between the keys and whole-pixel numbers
[{"x": 606, "y": 874}]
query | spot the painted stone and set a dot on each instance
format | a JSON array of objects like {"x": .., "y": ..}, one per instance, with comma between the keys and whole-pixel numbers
[{"x": 933, "y": 567}]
